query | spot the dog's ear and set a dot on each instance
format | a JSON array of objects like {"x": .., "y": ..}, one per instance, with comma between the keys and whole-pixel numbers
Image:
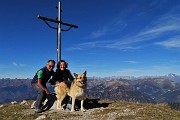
[
  {"x": 75, "y": 75},
  {"x": 84, "y": 73}
]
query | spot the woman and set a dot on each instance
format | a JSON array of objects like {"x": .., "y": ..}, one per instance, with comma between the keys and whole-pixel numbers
[
  {"x": 63, "y": 77},
  {"x": 62, "y": 74}
]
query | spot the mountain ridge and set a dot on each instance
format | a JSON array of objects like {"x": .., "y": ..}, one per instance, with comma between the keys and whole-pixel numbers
[{"x": 144, "y": 90}]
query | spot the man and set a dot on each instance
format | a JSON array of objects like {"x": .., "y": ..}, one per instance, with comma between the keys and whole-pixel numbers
[{"x": 39, "y": 84}]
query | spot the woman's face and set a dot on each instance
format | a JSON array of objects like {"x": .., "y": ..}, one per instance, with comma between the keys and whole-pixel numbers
[{"x": 62, "y": 66}]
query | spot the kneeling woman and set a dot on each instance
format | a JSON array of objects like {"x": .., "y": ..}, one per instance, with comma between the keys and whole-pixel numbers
[{"x": 63, "y": 76}]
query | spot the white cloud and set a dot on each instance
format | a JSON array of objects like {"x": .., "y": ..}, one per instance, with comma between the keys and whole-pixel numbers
[
  {"x": 161, "y": 29},
  {"x": 155, "y": 30},
  {"x": 88, "y": 45},
  {"x": 75, "y": 48},
  {"x": 171, "y": 43},
  {"x": 127, "y": 44},
  {"x": 18, "y": 64},
  {"x": 99, "y": 32},
  {"x": 15, "y": 64},
  {"x": 166, "y": 24}
]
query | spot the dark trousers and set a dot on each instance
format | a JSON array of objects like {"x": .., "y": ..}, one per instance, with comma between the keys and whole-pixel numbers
[{"x": 41, "y": 97}]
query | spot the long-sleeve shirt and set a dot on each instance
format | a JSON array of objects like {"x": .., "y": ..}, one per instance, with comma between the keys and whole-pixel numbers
[{"x": 62, "y": 76}]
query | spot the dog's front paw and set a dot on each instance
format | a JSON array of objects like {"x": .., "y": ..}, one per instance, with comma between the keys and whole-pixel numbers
[
  {"x": 60, "y": 108},
  {"x": 72, "y": 110},
  {"x": 83, "y": 110}
]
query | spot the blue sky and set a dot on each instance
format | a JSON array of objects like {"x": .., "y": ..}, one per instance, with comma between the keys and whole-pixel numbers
[{"x": 114, "y": 38}]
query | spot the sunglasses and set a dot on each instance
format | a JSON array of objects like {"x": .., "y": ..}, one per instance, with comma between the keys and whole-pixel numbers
[{"x": 51, "y": 66}]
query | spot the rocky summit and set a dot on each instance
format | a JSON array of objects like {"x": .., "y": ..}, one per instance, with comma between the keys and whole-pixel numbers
[{"x": 95, "y": 110}]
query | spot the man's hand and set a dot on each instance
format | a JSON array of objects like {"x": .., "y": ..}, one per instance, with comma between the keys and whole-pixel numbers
[
  {"x": 40, "y": 85},
  {"x": 47, "y": 91}
]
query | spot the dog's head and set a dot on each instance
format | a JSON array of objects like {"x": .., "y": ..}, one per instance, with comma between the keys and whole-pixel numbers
[{"x": 81, "y": 79}]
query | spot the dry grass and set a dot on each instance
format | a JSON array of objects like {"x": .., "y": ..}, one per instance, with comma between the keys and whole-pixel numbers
[
  {"x": 14, "y": 112},
  {"x": 114, "y": 111},
  {"x": 130, "y": 110}
]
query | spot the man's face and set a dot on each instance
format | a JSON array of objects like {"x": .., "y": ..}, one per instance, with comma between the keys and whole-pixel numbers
[
  {"x": 50, "y": 66},
  {"x": 62, "y": 66}
]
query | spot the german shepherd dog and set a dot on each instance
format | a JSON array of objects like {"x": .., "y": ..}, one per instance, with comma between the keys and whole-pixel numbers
[{"x": 77, "y": 90}]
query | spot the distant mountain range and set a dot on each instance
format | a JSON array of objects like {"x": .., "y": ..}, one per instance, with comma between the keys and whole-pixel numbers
[
  {"x": 171, "y": 76},
  {"x": 146, "y": 89}
]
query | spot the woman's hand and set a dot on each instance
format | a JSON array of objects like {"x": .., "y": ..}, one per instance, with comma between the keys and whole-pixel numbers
[{"x": 62, "y": 84}]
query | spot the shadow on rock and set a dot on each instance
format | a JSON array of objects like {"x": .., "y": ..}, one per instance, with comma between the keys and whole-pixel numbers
[
  {"x": 51, "y": 98},
  {"x": 51, "y": 103},
  {"x": 92, "y": 103}
]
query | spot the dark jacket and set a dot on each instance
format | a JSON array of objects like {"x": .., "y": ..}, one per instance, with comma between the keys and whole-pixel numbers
[
  {"x": 46, "y": 76},
  {"x": 62, "y": 76}
]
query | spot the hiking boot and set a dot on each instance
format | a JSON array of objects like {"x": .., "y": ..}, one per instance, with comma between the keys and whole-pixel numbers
[
  {"x": 38, "y": 110},
  {"x": 68, "y": 106},
  {"x": 32, "y": 105}
]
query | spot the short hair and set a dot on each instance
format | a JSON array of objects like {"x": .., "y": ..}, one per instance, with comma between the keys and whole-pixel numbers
[
  {"x": 51, "y": 61},
  {"x": 58, "y": 64}
]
